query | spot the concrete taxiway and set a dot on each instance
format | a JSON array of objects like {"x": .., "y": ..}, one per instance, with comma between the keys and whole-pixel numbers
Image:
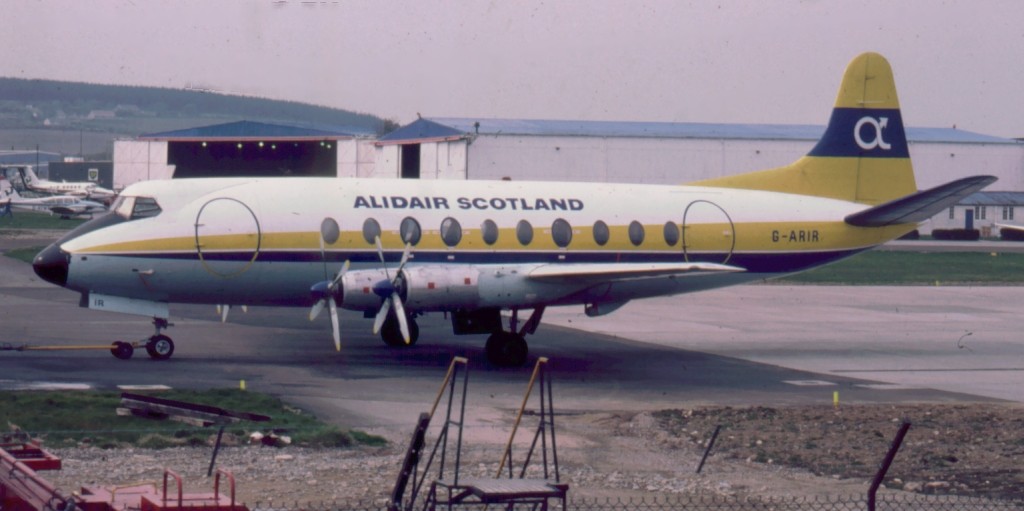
[{"x": 752, "y": 345}]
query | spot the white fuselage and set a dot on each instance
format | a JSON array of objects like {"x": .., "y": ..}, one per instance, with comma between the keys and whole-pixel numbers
[{"x": 258, "y": 241}]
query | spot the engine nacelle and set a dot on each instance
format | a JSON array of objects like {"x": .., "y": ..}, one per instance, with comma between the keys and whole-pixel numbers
[
  {"x": 441, "y": 287},
  {"x": 357, "y": 289}
]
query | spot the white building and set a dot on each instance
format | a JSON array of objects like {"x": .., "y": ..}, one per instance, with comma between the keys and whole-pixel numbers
[
  {"x": 662, "y": 153},
  {"x": 659, "y": 153}
]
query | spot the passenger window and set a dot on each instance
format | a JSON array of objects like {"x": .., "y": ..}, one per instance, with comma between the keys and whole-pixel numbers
[
  {"x": 410, "y": 231},
  {"x": 601, "y": 233},
  {"x": 561, "y": 233},
  {"x": 329, "y": 231},
  {"x": 489, "y": 230},
  {"x": 524, "y": 232},
  {"x": 145, "y": 207},
  {"x": 451, "y": 231},
  {"x": 671, "y": 234},
  {"x": 371, "y": 231},
  {"x": 636, "y": 233}
]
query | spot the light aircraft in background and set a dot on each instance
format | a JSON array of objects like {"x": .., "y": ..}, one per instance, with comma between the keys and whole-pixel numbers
[
  {"x": 84, "y": 189},
  {"x": 67, "y": 206},
  {"x": 395, "y": 249}
]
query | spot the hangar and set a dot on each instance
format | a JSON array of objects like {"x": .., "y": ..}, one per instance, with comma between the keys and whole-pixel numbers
[
  {"x": 243, "y": 149},
  {"x": 658, "y": 153}
]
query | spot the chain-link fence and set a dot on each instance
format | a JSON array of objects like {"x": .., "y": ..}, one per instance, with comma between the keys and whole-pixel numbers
[{"x": 884, "y": 502}]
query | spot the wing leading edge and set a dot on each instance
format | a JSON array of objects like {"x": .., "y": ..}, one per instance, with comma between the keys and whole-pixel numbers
[{"x": 619, "y": 272}]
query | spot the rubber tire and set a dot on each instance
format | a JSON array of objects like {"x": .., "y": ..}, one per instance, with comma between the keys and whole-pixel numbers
[
  {"x": 160, "y": 347},
  {"x": 122, "y": 350},
  {"x": 505, "y": 349},
  {"x": 391, "y": 332}
]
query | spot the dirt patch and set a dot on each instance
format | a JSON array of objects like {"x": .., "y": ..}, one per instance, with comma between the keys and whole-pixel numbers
[
  {"x": 971, "y": 450},
  {"x": 950, "y": 449}
]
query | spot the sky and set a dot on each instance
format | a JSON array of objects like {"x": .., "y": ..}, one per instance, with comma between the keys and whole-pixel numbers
[{"x": 957, "y": 63}]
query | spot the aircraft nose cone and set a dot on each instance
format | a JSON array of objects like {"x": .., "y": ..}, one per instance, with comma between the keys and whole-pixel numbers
[{"x": 52, "y": 265}]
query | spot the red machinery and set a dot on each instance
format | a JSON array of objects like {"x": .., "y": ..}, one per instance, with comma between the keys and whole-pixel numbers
[{"x": 22, "y": 489}]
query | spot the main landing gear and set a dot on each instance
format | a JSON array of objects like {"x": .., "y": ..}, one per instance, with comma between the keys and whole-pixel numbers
[
  {"x": 509, "y": 349},
  {"x": 391, "y": 332},
  {"x": 158, "y": 346}
]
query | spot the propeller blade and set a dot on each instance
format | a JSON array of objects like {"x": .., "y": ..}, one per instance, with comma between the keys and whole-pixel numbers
[
  {"x": 380, "y": 254},
  {"x": 381, "y": 315},
  {"x": 317, "y": 308},
  {"x": 405, "y": 259},
  {"x": 337, "y": 278},
  {"x": 403, "y": 325},
  {"x": 224, "y": 309},
  {"x": 323, "y": 256},
  {"x": 335, "y": 325}
]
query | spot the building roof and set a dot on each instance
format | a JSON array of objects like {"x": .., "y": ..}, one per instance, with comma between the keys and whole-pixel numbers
[
  {"x": 442, "y": 128},
  {"x": 250, "y": 130},
  {"x": 20, "y": 157},
  {"x": 994, "y": 199}
]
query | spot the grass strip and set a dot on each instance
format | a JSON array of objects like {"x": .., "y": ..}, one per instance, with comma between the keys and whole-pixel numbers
[
  {"x": 67, "y": 419},
  {"x": 26, "y": 220},
  {"x": 881, "y": 267}
]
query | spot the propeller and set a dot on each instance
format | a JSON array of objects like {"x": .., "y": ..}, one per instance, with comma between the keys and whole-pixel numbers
[
  {"x": 389, "y": 290},
  {"x": 224, "y": 309},
  {"x": 325, "y": 291}
]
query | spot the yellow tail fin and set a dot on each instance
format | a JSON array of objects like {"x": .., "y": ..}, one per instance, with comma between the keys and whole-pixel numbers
[{"x": 861, "y": 157}]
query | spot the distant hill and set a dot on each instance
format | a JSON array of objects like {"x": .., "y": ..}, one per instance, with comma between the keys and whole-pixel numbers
[{"x": 44, "y": 112}]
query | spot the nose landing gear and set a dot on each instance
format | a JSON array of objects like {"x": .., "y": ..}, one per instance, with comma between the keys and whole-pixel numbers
[{"x": 159, "y": 346}]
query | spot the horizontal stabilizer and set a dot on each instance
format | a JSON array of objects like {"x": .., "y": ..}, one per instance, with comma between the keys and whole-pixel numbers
[
  {"x": 920, "y": 206},
  {"x": 626, "y": 271}
]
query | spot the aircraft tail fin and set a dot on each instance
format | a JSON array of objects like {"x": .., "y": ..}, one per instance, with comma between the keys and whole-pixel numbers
[
  {"x": 862, "y": 155},
  {"x": 28, "y": 175},
  {"x": 7, "y": 190}
]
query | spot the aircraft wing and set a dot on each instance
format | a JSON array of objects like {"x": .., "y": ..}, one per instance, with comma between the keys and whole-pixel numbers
[
  {"x": 920, "y": 206},
  {"x": 598, "y": 272},
  {"x": 1010, "y": 226},
  {"x": 64, "y": 210}
]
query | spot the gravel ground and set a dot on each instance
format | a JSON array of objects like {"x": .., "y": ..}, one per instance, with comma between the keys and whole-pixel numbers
[{"x": 761, "y": 452}]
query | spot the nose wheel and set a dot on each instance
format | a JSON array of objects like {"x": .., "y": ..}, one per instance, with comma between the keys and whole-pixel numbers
[{"x": 160, "y": 347}]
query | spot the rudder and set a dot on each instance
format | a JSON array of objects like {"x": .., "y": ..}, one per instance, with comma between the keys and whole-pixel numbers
[{"x": 863, "y": 154}]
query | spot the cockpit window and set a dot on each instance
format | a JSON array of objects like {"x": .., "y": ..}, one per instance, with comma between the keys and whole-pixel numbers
[
  {"x": 122, "y": 207},
  {"x": 145, "y": 207},
  {"x": 133, "y": 208}
]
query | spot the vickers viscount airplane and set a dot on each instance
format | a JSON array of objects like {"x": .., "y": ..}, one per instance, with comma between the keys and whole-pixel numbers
[{"x": 395, "y": 249}]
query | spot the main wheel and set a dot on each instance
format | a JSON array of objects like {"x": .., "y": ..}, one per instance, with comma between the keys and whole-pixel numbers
[
  {"x": 505, "y": 349},
  {"x": 160, "y": 347},
  {"x": 122, "y": 350},
  {"x": 391, "y": 331}
]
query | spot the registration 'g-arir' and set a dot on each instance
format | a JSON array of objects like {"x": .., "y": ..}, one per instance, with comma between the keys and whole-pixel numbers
[{"x": 396, "y": 249}]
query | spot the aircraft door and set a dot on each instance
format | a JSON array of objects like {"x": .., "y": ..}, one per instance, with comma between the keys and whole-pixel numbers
[
  {"x": 227, "y": 237},
  {"x": 709, "y": 234}
]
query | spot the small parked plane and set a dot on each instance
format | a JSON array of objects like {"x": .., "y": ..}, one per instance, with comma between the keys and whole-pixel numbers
[
  {"x": 67, "y": 206},
  {"x": 395, "y": 249},
  {"x": 83, "y": 189}
]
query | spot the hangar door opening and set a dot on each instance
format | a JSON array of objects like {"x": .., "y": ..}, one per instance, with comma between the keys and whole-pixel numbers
[
  {"x": 410, "y": 161},
  {"x": 280, "y": 158}
]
